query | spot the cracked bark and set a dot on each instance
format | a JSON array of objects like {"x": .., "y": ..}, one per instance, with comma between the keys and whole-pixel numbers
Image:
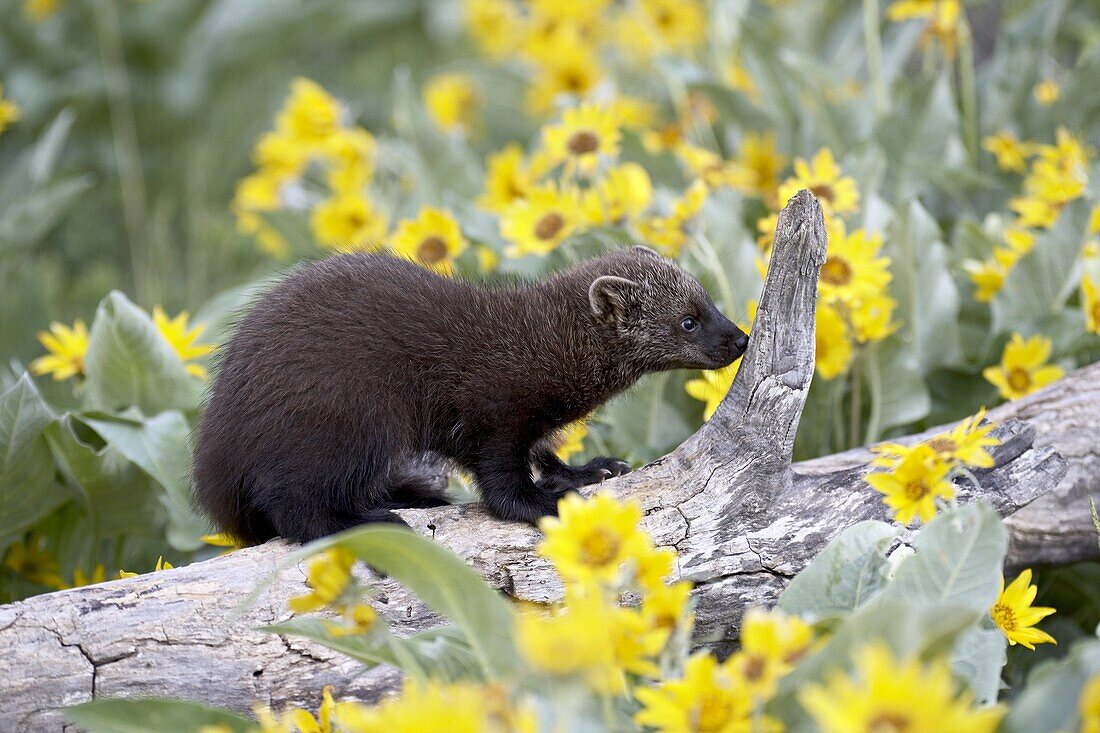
[{"x": 742, "y": 520}]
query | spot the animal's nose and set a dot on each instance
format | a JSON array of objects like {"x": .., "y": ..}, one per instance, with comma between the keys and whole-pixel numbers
[{"x": 741, "y": 341}]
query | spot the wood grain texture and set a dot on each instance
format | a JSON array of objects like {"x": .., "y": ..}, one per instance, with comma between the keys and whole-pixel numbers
[{"x": 741, "y": 518}]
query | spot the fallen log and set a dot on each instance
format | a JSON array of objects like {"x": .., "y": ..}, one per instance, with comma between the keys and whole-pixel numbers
[{"x": 741, "y": 518}]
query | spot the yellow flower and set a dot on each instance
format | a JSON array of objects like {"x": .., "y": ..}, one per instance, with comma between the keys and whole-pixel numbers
[
  {"x": 712, "y": 169},
  {"x": 572, "y": 439},
  {"x": 912, "y": 486},
  {"x": 306, "y": 723},
  {"x": 758, "y": 153},
  {"x": 710, "y": 697},
  {"x": 556, "y": 27},
  {"x": 1094, "y": 221},
  {"x": 1089, "y": 706},
  {"x": 885, "y": 693},
  {"x": 591, "y": 539},
  {"x": 162, "y": 564},
  {"x": 66, "y": 347},
  {"x": 176, "y": 331},
  {"x": 765, "y": 227},
  {"x": 623, "y": 193},
  {"x": 279, "y": 156},
  {"x": 1090, "y": 301},
  {"x": 989, "y": 275},
  {"x": 632, "y": 113},
  {"x": 665, "y": 606},
  {"x": 853, "y": 271},
  {"x": 9, "y": 111},
  {"x": 39, "y": 10},
  {"x": 310, "y": 114},
  {"x": 680, "y": 25},
  {"x": 739, "y": 79},
  {"x": 220, "y": 540},
  {"x": 507, "y": 180},
  {"x": 428, "y": 707},
  {"x": 1023, "y": 367},
  {"x": 586, "y": 137},
  {"x": 942, "y": 16},
  {"x": 772, "y": 642},
  {"x": 573, "y": 72},
  {"x": 1011, "y": 154},
  {"x": 328, "y": 575},
  {"x": 98, "y": 575},
  {"x": 711, "y": 388},
  {"x": 350, "y": 153},
  {"x": 833, "y": 344},
  {"x": 348, "y": 221},
  {"x": 31, "y": 560},
  {"x": 909, "y": 9},
  {"x": 872, "y": 318},
  {"x": 664, "y": 139},
  {"x": 1016, "y": 617},
  {"x": 1035, "y": 211},
  {"x": 434, "y": 239},
  {"x": 965, "y": 444},
  {"x": 822, "y": 176},
  {"x": 452, "y": 101},
  {"x": 669, "y": 234},
  {"x": 1019, "y": 240},
  {"x": 538, "y": 223},
  {"x": 1047, "y": 92},
  {"x": 494, "y": 25}
]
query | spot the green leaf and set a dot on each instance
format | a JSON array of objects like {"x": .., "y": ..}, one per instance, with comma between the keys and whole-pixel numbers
[
  {"x": 441, "y": 654},
  {"x": 652, "y": 418},
  {"x": 43, "y": 159},
  {"x": 152, "y": 715},
  {"x": 130, "y": 363},
  {"x": 28, "y": 220},
  {"x": 904, "y": 395},
  {"x": 441, "y": 580},
  {"x": 1048, "y": 702},
  {"x": 978, "y": 657},
  {"x": 28, "y": 488},
  {"x": 845, "y": 575},
  {"x": 161, "y": 447},
  {"x": 957, "y": 561}
]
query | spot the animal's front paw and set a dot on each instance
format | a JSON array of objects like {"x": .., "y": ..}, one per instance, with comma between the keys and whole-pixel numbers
[
  {"x": 601, "y": 468},
  {"x": 557, "y": 485}
]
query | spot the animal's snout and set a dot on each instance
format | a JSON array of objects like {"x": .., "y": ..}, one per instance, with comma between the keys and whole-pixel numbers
[{"x": 741, "y": 341}]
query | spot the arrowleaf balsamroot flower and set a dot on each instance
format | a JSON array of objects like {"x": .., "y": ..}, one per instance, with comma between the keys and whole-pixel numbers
[
  {"x": 912, "y": 486},
  {"x": 433, "y": 239},
  {"x": 1016, "y": 617},
  {"x": 758, "y": 154},
  {"x": 452, "y": 102},
  {"x": 1088, "y": 707},
  {"x": 177, "y": 332},
  {"x": 572, "y": 439},
  {"x": 965, "y": 444},
  {"x": 772, "y": 642},
  {"x": 885, "y": 693},
  {"x": 506, "y": 181},
  {"x": 1023, "y": 368},
  {"x": 538, "y": 223},
  {"x": 67, "y": 348},
  {"x": 1011, "y": 154},
  {"x": 621, "y": 195},
  {"x": 329, "y": 576},
  {"x": 833, "y": 351},
  {"x": 31, "y": 560},
  {"x": 9, "y": 111},
  {"x": 1090, "y": 301},
  {"x": 585, "y": 137},
  {"x": 591, "y": 539},
  {"x": 310, "y": 114},
  {"x": 822, "y": 176},
  {"x": 711, "y": 388},
  {"x": 348, "y": 221}
]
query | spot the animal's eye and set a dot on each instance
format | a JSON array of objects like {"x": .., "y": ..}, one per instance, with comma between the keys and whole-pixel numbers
[{"x": 689, "y": 323}]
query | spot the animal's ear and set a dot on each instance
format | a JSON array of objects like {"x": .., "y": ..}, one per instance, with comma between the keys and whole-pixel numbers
[
  {"x": 609, "y": 296},
  {"x": 644, "y": 250}
]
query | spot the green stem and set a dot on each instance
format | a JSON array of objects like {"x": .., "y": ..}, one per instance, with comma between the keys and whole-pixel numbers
[
  {"x": 873, "y": 43},
  {"x": 124, "y": 135},
  {"x": 715, "y": 263},
  {"x": 837, "y": 398},
  {"x": 855, "y": 417},
  {"x": 968, "y": 90},
  {"x": 874, "y": 386}
]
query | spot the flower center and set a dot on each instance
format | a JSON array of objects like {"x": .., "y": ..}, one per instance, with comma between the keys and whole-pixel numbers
[
  {"x": 714, "y": 712},
  {"x": 1019, "y": 379},
  {"x": 823, "y": 191},
  {"x": 836, "y": 271},
  {"x": 943, "y": 445},
  {"x": 583, "y": 142},
  {"x": 431, "y": 250},
  {"x": 573, "y": 82},
  {"x": 549, "y": 225},
  {"x": 1004, "y": 617},
  {"x": 915, "y": 490},
  {"x": 1096, "y": 312},
  {"x": 754, "y": 668},
  {"x": 599, "y": 547},
  {"x": 888, "y": 723}
]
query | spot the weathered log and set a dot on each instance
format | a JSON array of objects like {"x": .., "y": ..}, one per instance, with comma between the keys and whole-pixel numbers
[{"x": 742, "y": 521}]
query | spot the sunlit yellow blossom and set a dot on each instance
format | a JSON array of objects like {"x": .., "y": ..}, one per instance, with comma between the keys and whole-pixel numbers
[
  {"x": 653, "y": 565},
  {"x": 1090, "y": 301},
  {"x": 709, "y": 167},
  {"x": 350, "y": 154},
  {"x": 280, "y": 156},
  {"x": 680, "y": 25},
  {"x": 664, "y": 139},
  {"x": 328, "y": 575},
  {"x": 494, "y": 25},
  {"x": 81, "y": 579},
  {"x": 739, "y": 78},
  {"x": 9, "y": 111},
  {"x": 1047, "y": 92},
  {"x": 67, "y": 348},
  {"x": 772, "y": 642},
  {"x": 989, "y": 275},
  {"x": 765, "y": 227},
  {"x": 873, "y": 318},
  {"x": 39, "y": 10},
  {"x": 885, "y": 693},
  {"x": 912, "y": 486},
  {"x": 487, "y": 258},
  {"x": 1088, "y": 707},
  {"x": 572, "y": 439},
  {"x": 669, "y": 233},
  {"x": 162, "y": 564},
  {"x": 758, "y": 153},
  {"x": 1034, "y": 211},
  {"x": 348, "y": 221},
  {"x": 1094, "y": 221},
  {"x": 431, "y": 707},
  {"x": 1011, "y": 154},
  {"x": 1019, "y": 240},
  {"x": 553, "y": 28},
  {"x": 591, "y": 539},
  {"x": 306, "y": 723},
  {"x": 665, "y": 606},
  {"x": 833, "y": 344},
  {"x": 709, "y": 697},
  {"x": 183, "y": 337},
  {"x": 220, "y": 540},
  {"x": 538, "y": 223},
  {"x": 622, "y": 194},
  {"x": 452, "y": 102},
  {"x": 31, "y": 560},
  {"x": 965, "y": 444},
  {"x": 573, "y": 72},
  {"x": 633, "y": 113},
  {"x": 712, "y": 386},
  {"x": 433, "y": 239},
  {"x": 585, "y": 137},
  {"x": 506, "y": 180},
  {"x": 1023, "y": 368},
  {"x": 1016, "y": 617},
  {"x": 822, "y": 176},
  {"x": 310, "y": 114},
  {"x": 853, "y": 271},
  {"x": 942, "y": 18}
]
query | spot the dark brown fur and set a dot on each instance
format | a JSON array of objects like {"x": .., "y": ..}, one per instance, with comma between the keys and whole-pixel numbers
[{"x": 353, "y": 366}]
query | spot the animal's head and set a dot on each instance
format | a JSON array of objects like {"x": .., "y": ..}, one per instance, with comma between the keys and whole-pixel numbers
[{"x": 662, "y": 313}]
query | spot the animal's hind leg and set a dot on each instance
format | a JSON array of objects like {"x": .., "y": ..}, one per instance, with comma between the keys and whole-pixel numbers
[{"x": 417, "y": 485}]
